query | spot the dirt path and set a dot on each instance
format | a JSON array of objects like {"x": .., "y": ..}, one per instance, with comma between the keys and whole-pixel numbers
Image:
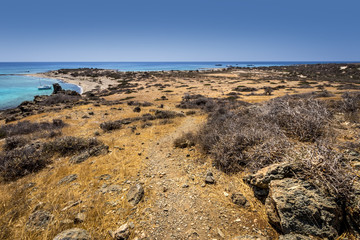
[{"x": 184, "y": 207}]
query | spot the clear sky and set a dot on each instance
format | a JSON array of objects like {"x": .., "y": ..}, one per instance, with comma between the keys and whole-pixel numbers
[{"x": 179, "y": 30}]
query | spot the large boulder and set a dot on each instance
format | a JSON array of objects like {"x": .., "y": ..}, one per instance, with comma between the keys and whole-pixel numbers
[
  {"x": 57, "y": 88},
  {"x": 295, "y": 206},
  {"x": 261, "y": 179}
]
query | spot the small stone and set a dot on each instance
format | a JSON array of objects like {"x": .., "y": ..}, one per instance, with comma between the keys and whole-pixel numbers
[
  {"x": 209, "y": 178},
  {"x": 80, "y": 217},
  {"x": 105, "y": 177},
  {"x": 135, "y": 194},
  {"x": 68, "y": 179},
  {"x": 239, "y": 199},
  {"x": 185, "y": 186},
  {"x": 122, "y": 233}
]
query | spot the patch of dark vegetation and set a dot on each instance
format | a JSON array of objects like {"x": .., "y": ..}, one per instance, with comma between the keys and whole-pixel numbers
[
  {"x": 26, "y": 127},
  {"x": 257, "y": 135},
  {"x": 245, "y": 89},
  {"x": 60, "y": 98},
  {"x": 21, "y": 156},
  {"x": 333, "y": 72},
  {"x": 15, "y": 142},
  {"x": 22, "y": 161},
  {"x": 139, "y": 104},
  {"x": 208, "y": 104},
  {"x": 159, "y": 114},
  {"x": 69, "y": 145}
]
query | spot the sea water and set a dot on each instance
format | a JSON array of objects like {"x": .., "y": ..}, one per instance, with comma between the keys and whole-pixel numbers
[{"x": 15, "y": 87}]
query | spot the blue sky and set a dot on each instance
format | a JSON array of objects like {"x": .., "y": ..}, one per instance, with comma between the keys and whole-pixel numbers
[{"x": 172, "y": 30}]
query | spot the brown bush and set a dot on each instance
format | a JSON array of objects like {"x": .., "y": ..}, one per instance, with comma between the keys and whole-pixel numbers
[
  {"x": 303, "y": 119},
  {"x": 21, "y": 161},
  {"x": 325, "y": 168},
  {"x": 15, "y": 142},
  {"x": 26, "y": 127},
  {"x": 69, "y": 145}
]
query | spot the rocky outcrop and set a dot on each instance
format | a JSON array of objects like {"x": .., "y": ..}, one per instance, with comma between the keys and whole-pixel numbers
[
  {"x": 57, "y": 88},
  {"x": 296, "y": 206},
  {"x": 261, "y": 179},
  {"x": 73, "y": 234}
]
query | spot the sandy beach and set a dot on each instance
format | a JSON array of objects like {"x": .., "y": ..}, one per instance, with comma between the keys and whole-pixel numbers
[{"x": 85, "y": 83}]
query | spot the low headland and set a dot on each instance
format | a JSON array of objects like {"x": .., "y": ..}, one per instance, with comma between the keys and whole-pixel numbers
[{"x": 233, "y": 153}]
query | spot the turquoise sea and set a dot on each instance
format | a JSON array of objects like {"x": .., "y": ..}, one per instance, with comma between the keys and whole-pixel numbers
[{"x": 16, "y": 88}]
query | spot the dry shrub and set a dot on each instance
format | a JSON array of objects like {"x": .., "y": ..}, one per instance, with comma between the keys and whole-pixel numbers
[
  {"x": 15, "y": 142},
  {"x": 111, "y": 125},
  {"x": 26, "y": 127},
  {"x": 325, "y": 168},
  {"x": 22, "y": 161},
  {"x": 162, "y": 114},
  {"x": 303, "y": 119},
  {"x": 241, "y": 139},
  {"x": 60, "y": 98},
  {"x": 159, "y": 114},
  {"x": 350, "y": 105},
  {"x": 71, "y": 145},
  {"x": 258, "y": 135}
]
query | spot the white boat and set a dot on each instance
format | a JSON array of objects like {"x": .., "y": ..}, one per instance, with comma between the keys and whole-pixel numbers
[{"x": 44, "y": 87}]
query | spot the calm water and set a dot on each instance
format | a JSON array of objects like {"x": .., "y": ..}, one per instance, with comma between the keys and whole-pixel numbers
[{"x": 15, "y": 89}]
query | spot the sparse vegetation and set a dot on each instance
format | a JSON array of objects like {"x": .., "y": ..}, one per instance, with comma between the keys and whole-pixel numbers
[{"x": 26, "y": 127}]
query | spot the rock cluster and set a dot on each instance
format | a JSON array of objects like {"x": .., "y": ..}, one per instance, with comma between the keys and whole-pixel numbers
[{"x": 295, "y": 207}]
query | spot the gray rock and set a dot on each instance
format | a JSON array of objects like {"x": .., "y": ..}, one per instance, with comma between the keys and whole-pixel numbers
[
  {"x": 73, "y": 234},
  {"x": 264, "y": 176},
  {"x": 135, "y": 194},
  {"x": 115, "y": 188},
  {"x": 105, "y": 177},
  {"x": 209, "y": 179},
  {"x": 79, "y": 158},
  {"x": 261, "y": 179},
  {"x": 68, "y": 179},
  {"x": 294, "y": 237},
  {"x": 39, "y": 220},
  {"x": 122, "y": 233},
  {"x": 239, "y": 199},
  {"x": 296, "y": 206}
]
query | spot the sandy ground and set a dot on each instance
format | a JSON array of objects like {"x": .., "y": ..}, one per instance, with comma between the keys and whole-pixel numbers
[{"x": 86, "y": 84}]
